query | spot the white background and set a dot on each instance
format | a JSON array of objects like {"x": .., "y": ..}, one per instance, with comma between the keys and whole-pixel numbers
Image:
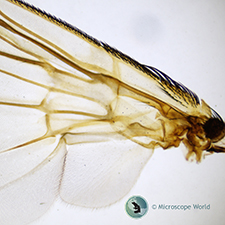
[{"x": 186, "y": 40}]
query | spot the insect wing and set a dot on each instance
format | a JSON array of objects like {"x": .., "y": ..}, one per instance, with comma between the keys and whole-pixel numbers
[{"x": 50, "y": 101}]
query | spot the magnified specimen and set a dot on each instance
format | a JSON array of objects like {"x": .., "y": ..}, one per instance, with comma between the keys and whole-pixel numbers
[{"x": 77, "y": 115}]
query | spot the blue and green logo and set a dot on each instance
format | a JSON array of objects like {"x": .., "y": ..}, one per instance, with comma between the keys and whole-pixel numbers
[{"x": 136, "y": 207}]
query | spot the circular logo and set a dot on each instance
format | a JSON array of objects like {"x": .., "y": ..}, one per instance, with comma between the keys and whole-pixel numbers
[{"x": 136, "y": 207}]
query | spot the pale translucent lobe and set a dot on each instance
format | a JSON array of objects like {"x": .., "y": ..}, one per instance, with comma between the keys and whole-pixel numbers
[
  {"x": 29, "y": 196},
  {"x": 107, "y": 171},
  {"x": 13, "y": 162}
]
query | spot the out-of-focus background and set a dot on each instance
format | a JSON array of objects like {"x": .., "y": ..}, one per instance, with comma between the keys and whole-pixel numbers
[{"x": 185, "y": 39}]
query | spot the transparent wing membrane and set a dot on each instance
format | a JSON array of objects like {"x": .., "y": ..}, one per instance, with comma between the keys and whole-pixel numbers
[{"x": 77, "y": 115}]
